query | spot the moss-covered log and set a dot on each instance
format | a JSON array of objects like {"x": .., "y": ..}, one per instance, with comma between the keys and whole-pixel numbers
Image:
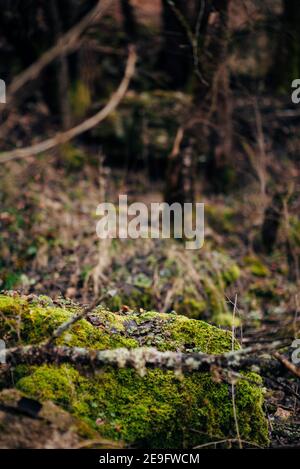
[{"x": 156, "y": 409}]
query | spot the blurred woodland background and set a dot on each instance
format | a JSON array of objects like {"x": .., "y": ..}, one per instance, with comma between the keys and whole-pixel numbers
[{"x": 204, "y": 114}]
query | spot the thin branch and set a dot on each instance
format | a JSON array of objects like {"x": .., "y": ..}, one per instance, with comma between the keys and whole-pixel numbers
[
  {"x": 138, "y": 358},
  {"x": 70, "y": 322},
  {"x": 229, "y": 441},
  {"x": 236, "y": 421},
  {"x": 66, "y": 43},
  {"x": 296, "y": 315},
  {"x": 233, "y": 322},
  {"x": 67, "y": 325},
  {"x": 86, "y": 125},
  {"x": 193, "y": 38},
  {"x": 195, "y": 43},
  {"x": 287, "y": 364}
]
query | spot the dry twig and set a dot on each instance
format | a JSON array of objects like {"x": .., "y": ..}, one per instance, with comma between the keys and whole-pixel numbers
[
  {"x": 287, "y": 364},
  {"x": 139, "y": 358}
]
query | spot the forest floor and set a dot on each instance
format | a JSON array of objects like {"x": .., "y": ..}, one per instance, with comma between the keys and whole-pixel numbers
[{"x": 48, "y": 245}]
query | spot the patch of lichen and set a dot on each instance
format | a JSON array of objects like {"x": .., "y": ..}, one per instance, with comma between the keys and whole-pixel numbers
[
  {"x": 122, "y": 405},
  {"x": 170, "y": 331}
]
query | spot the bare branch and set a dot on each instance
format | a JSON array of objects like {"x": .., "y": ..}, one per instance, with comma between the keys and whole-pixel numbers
[
  {"x": 138, "y": 358},
  {"x": 70, "y": 322},
  {"x": 66, "y": 43},
  {"x": 287, "y": 364},
  {"x": 86, "y": 125},
  {"x": 67, "y": 325}
]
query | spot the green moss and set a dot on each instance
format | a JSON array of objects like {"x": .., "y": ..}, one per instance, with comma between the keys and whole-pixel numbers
[
  {"x": 221, "y": 310},
  {"x": 256, "y": 267},
  {"x": 191, "y": 307},
  {"x": 221, "y": 219},
  {"x": 32, "y": 322},
  {"x": 215, "y": 297},
  {"x": 122, "y": 405},
  {"x": 50, "y": 383},
  {"x": 197, "y": 336},
  {"x": 74, "y": 158},
  {"x": 129, "y": 407},
  {"x": 193, "y": 285},
  {"x": 232, "y": 274},
  {"x": 214, "y": 272},
  {"x": 266, "y": 289},
  {"x": 125, "y": 132},
  {"x": 132, "y": 297},
  {"x": 294, "y": 225},
  {"x": 80, "y": 99}
]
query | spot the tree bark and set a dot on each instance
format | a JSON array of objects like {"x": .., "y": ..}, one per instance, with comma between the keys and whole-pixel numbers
[
  {"x": 180, "y": 176},
  {"x": 129, "y": 20},
  {"x": 271, "y": 224},
  {"x": 286, "y": 66},
  {"x": 175, "y": 57},
  {"x": 63, "y": 80}
]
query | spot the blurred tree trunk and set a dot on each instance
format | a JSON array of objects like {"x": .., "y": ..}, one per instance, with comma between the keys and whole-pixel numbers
[
  {"x": 19, "y": 27},
  {"x": 213, "y": 101},
  {"x": 175, "y": 55},
  {"x": 216, "y": 47},
  {"x": 220, "y": 170},
  {"x": 293, "y": 260},
  {"x": 286, "y": 66},
  {"x": 178, "y": 62},
  {"x": 271, "y": 224},
  {"x": 130, "y": 24},
  {"x": 63, "y": 79},
  {"x": 181, "y": 170}
]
